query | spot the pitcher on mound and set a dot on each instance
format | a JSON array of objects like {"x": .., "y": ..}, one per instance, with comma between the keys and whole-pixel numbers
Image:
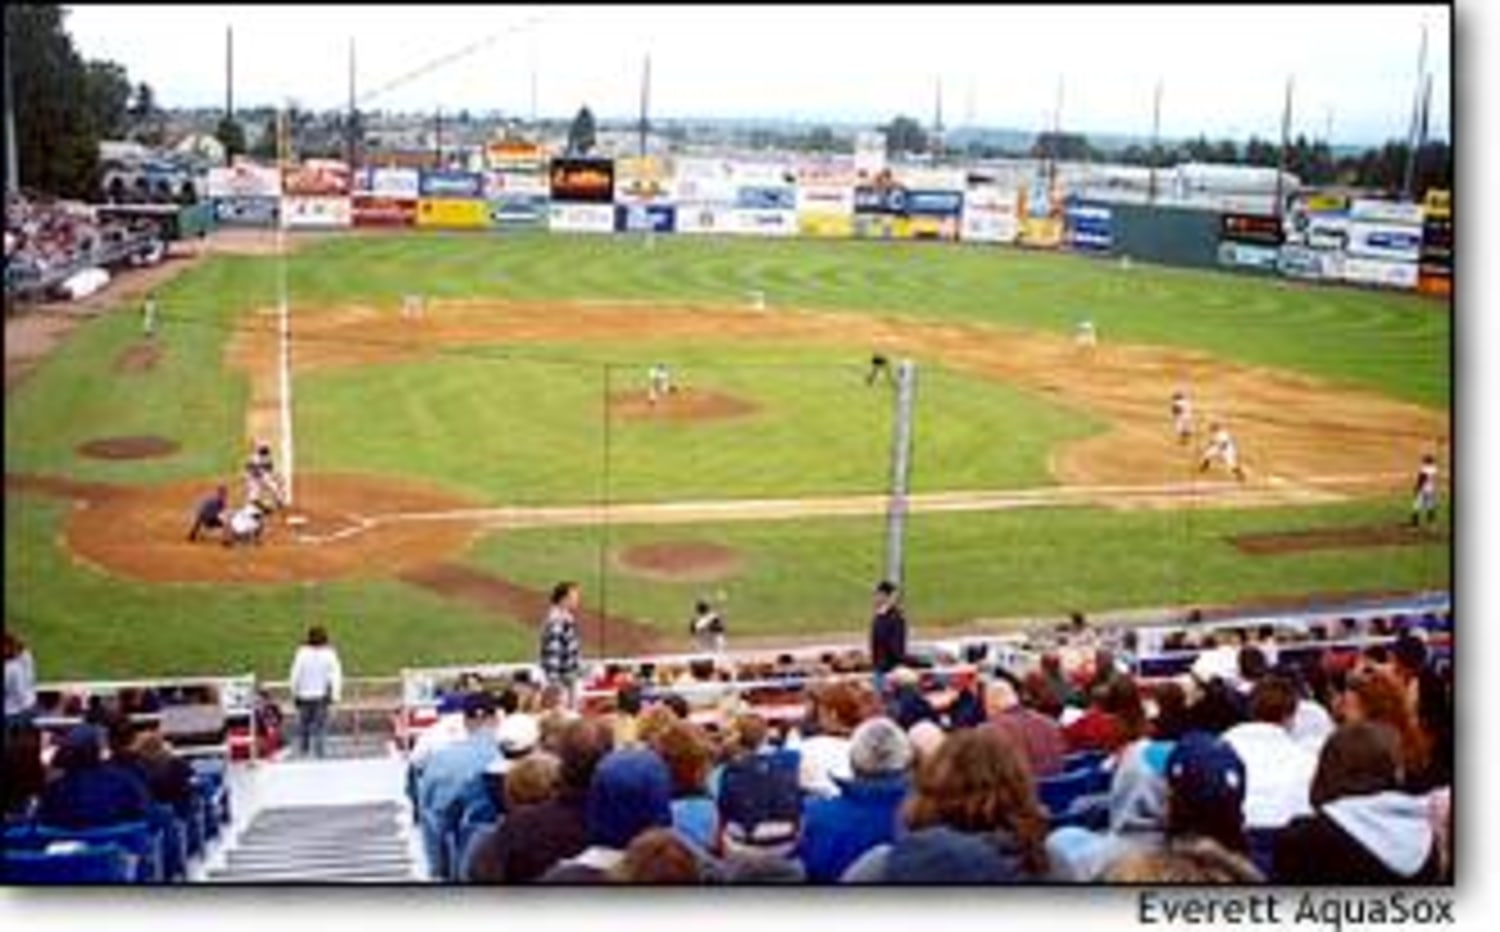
[{"x": 1221, "y": 448}]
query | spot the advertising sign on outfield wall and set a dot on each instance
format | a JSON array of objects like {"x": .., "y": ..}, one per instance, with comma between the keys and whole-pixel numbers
[
  {"x": 927, "y": 226},
  {"x": 881, "y": 226},
  {"x": 518, "y": 210},
  {"x": 1392, "y": 212},
  {"x": 513, "y": 154},
  {"x": 581, "y": 218},
  {"x": 1040, "y": 232},
  {"x": 452, "y": 184},
  {"x": 388, "y": 182},
  {"x": 371, "y": 210},
  {"x": 931, "y": 179},
  {"x": 1088, "y": 225},
  {"x": 704, "y": 218},
  {"x": 513, "y": 183},
  {"x": 244, "y": 179},
  {"x": 763, "y": 222},
  {"x": 765, "y": 197},
  {"x": 1437, "y": 203},
  {"x": 763, "y": 174},
  {"x": 1311, "y": 264},
  {"x": 880, "y": 199},
  {"x": 453, "y": 213},
  {"x": 1382, "y": 272},
  {"x": 316, "y": 177},
  {"x": 246, "y": 211},
  {"x": 1261, "y": 229},
  {"x": 989, "y": 224},
  {"x": 824, "y": 225},
  {"x": 321, "y": 212},
  {"x": 643, "y": 181},
  {"x": 645, "y": 218},
  {"x": 931, "y": 203},
  {"x": 1436, "y": 285},
  {"x": 583, "y": 181},
  {"x": 1385, "y": 241},
  {"x": 824, "y": 199},
  {"x": 1249, "y": 256}
]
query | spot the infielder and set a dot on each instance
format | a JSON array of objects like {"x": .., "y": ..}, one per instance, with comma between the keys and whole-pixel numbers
[
  {"x": 880, "y": 365},
  {"x": 148, "y": 315},
  {"x": 1182, "y": 416},
  {"x": 1086, "y": 335},
  {"x": 658, "y": 382},
  {"x": 1425, "y": 503},
  {"x": 411, "y": 306},
  {"x": 1221, "y": 448},
  {"x": 707, "y": 628}
]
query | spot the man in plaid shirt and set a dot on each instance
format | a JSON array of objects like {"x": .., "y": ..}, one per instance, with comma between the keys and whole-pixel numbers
[{"x": 560, "y": 647}]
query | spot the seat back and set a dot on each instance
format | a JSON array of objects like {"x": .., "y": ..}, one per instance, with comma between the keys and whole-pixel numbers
[
  {"x": 136, "y": 838},
  {"x": 1058, "y": 792},
  {"x": 85, "y": 865}
]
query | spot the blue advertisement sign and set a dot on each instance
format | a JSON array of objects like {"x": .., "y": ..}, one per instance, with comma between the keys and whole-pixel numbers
[
  {"x": 645, "y": 218},
  {"x": 765, "y": 198},
  {"x": 452, "y": 184},
  {"x": 246, "y": 211},
  {"x": 934, "y": 203},
  {"x": 869, "y": 199},
  {"x": 518, "y": 210}
]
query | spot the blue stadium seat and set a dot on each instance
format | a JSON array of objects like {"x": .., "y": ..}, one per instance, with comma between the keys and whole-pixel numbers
[
  {"x": 95, "y": 864},
  {"x": 1057, "y": 793},
  {"x": 1083, "y": 760},
  {"x": 136, "y": 838},
  {"x": 173, "y": 830}
]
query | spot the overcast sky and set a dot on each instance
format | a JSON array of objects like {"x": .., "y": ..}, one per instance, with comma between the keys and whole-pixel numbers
[{"x": 1223, "y": 67}]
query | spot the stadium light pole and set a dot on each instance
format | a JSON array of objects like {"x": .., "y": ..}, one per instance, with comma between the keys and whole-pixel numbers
[
  {"x": 285, "y": 356},
  {"x": 12, "y": 157}
]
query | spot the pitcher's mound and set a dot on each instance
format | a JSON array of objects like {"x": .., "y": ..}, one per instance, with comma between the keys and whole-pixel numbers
[
  {"x": 128, "y": 448},
  {"x": 680, "y": 561},
  {"x": 686, "y": 404}
]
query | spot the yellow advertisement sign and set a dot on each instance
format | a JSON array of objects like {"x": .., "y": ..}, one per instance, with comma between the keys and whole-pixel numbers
[
  {"x": 881, "y": 226},
  {"x": 1438, "y": 204},
  {"x": 933, "y": 227},
  {"x": 452, "y": 212},
  {"x": 1045, "y": 232},
  {"x": 825, "y": 225}
]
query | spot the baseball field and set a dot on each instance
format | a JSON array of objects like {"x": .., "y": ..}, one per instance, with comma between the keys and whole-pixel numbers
[{"x": 449, "y": 466}]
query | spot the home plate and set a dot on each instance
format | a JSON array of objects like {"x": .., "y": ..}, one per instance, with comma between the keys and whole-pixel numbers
[{"x": 296, "y": 520}]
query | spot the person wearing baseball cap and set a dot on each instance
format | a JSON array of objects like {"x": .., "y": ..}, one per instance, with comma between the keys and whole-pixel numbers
[
  {"x": 1206, "y": 791},
  {"x": 887, "y": 632}
]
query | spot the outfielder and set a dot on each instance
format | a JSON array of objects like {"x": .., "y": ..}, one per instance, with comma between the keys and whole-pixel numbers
[
  {"x": 148, "y": 315},
  {"x": 1425, "y": 503},
  {"x": 658, "y": 382},
  {"x": 1182, "y": 416},
  {"x": 1221, "y": 448}
]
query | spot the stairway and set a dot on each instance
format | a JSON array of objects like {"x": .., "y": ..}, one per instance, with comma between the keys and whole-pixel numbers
[{"x": 349, "y": 843}]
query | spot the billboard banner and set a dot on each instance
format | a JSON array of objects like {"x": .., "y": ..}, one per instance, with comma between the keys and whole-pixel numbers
[
  {"x": 881, "y": 226},
  {"x": 1436, "y": 285},
  {"x": 1391, "y": 212},
  {"x": 989, "y": 223},
  {"x": 1318, "y": 221},
  {"x": 316, "y": 178},
  {"x": 645, "y": 218},
  {"x": 822, "y": 224},
  {"x": 826, "y": 174},
  {"x": 1381, "y": 272},
  {"x": 321, "y": 212},
  {"x": 583, "y": 181},
  {"x": 453, "y": 213},
  {"x": 1088, "y": 225},
  {"x": 762, "y": 174},
  {"x": 752, "y": 222},
  {"x": 1040, "y": 232},
  {"x": 931, "y": 179},
  {"x": 246, "y": 211},
  {"x": 880, "y": 199},
  {"x": 1437, "y": 242},
  {"x": 927, "y": 226},
  {"x": 518, "y": 210},
  {"x": 1311, "y": 264},
  {"x": 514, "y": 154},
  {"x": 825, "y": 199},
  {"x": 389, "y": 182},
  {"x": 704, "y": 218},
  {"x": 515, "y": 184},
  {"x": 581, "y": 218},
  {"x": 643, "y": 181},
  {"x": 244, "y": 179},
  {"x": 1438, "y": 205},
  {"x": 451, "y": 184},
  {"x": 927, "y": 202},
  {"x": 1249, "y": 256},
  {"x": 765, "y": 197},
  {"x": 372, "y": 210},
  {"x": 1260, "y": 229},
  {"x": 1385, "y": 241}
]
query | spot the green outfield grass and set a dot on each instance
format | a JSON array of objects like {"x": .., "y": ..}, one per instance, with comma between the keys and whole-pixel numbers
[{"x": 497, "y": 432}]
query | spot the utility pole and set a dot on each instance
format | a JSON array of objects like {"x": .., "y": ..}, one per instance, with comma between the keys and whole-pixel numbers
[
  {"x": 437, "y": 138},
  {"x": 937, "y": 121},
  {"x": 12, "y": 154},
  {"x": 353, "y": 117},
  {"x": 645, "y": 104},
  {"x": 901, "y": 442},
  {"x": 1155, "y": 141},
  {"x": 1286, "y": 129},
  {"x": 228, "y": 71},
  {"x": 1411, "y": 137}
]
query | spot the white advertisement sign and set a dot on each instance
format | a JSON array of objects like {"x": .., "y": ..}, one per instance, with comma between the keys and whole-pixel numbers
[
  {"x": 1385, "y": 241},
  {"x": 581, "y": 218},
  {"x": 704, "y": 218},
  {"x": 312, "y": 211},
  {"x": 244, "y": 180},
  {"x": 401, "y": 183},
  {"x": 988, "y": 225},
  {"x": 764, "y": 222},
  {"x": 762, "y": 174},
  {"x": 529, "y": 184},
  {"x": 931, "y": 179},
  {"x": 1380, "y": 272},
  {"x": 1385, "y": 211},
  {"x": 825, "y": 199}
]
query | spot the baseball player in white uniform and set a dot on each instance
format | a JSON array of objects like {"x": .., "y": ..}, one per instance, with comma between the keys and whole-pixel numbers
[
  {"x": 658, "y": 382},
  {"x": 1182, "y": 416},
  {"x": 1221, "y": 448},
  {"x": 1086, "y": 335},
  {"x": 1425, "y": 503},
  {"x": 245, "y": 525},
  {"x": 411, "y": 306}
]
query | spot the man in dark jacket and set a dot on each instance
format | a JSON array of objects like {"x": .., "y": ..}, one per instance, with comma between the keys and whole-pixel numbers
[
  {"x": 89, "y": 794},
  {"x": 887, "y": 631}
]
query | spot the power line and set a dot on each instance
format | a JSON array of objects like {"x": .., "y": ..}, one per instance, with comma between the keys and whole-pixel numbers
[{"x": 443, "y": 61}]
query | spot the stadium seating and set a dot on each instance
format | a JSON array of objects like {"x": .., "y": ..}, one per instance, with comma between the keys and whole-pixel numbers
[
  {"x": 88, "y": 864},
  {"x": 140, "y": 839}
]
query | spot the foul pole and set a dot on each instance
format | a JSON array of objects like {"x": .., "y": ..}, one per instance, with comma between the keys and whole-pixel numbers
[
  {"x": 901, "y": 434},
  {"x": 283, "y": 305}
]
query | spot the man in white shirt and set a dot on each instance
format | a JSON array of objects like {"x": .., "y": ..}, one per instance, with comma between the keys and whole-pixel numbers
[
  {"x": 1278, "y": 770},
  {"x": 317, "y": 682}
]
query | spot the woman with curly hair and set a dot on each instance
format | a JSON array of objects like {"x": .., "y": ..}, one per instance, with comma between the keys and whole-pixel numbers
[
  {"x": 1377, "y": 696},
  {"x": 972, "y": 816}
]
